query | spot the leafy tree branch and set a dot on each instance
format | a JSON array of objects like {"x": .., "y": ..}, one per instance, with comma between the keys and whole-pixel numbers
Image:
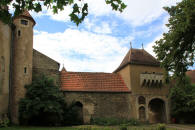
[
  {"x": 80, "y": 7},
  {"x": 176, "y": 50}
]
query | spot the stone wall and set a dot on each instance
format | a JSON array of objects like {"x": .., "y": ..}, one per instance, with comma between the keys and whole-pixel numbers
[
  {"x": 133, "y": 76},
  {"x": 108, "y": 105},
  {"x": 45, "y": 65},
  {"x": 5, "y": 41},
  {"x": 137, "y": 88}
]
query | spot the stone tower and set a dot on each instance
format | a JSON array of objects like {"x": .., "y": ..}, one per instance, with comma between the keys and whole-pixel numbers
[
  {"x": 22, "y": 59},
  {"x": 145, "y": 78},
  {"x": 5, "y": 41}
]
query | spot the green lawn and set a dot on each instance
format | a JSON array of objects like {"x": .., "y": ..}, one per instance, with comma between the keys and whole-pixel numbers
[{"x": 147, "y": 127}]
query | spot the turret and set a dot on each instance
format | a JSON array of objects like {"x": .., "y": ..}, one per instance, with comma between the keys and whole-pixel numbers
[{"x": 22, "y": 59}]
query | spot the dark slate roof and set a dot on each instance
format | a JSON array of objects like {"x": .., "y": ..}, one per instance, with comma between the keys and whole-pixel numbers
[
  {"x": 92, "y": 82},
  {"x": 138, "y": 57},
  {"x": 191, "y": 74}
]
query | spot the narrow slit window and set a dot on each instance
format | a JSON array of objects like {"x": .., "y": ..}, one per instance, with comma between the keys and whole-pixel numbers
[
  {"x": 19, "y": 33},
  {"x": 25, "y": 70},
  {"x": 24, "y": 22}
]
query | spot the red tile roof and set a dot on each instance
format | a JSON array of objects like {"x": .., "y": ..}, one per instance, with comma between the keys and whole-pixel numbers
[
  {"x": 92, "y": 82},
  {"x": 138, "y": 57},
  {"x": 27, "y": 15},
  {"x": 191, "y": 74}
]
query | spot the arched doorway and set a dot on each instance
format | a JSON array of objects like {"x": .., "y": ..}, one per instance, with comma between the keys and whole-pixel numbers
[
  {"x": 79, "y": 109},
  {"x": 142, "y": 114},
  {"x": 157, "y": 113}
]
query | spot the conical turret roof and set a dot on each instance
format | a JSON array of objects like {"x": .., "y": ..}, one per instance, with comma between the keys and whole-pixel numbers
[
  {"x": 138, "y": 57},
  {"x": 27, "y": 15}
]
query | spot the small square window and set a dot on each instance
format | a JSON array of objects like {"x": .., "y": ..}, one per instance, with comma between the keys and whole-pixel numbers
[{"x": 24, "y": 22}]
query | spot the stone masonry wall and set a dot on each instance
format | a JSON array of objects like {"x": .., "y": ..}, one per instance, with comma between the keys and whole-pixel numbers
[
  {"x": 108, "y": 105},
  {"x": 45, "y": 65},
  {"x": 5, "y": 40}
]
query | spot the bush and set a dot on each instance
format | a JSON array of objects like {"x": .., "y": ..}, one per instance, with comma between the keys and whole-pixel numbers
[
  {"x": 161, "y": 127},
  {"x": 4, "y": 121},
  {"x": 182, "y": 97},
  {"x": 44, "y": 104},
  {"x": 113, "y": 121},
  {"x": 123, "y": 127}
]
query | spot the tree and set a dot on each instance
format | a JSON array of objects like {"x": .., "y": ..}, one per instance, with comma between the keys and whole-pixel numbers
[
  {"x": 176, "y": 50},
  {"x": 183, "y": 102},
  {"x": 44, "y": 104},
  {"x": 77, "y": 16}
]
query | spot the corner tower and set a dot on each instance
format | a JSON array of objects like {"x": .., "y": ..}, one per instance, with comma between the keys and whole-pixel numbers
[{"x": 22, "y": 59}]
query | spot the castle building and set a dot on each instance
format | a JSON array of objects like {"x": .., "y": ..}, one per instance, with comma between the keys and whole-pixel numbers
[{"x": 136, "y": 89}]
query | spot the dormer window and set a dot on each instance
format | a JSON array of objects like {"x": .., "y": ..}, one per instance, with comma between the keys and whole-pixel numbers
[{"x": 24, "y": 22}]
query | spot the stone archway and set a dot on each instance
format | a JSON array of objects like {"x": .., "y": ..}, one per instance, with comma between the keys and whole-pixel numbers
[
  {"x": 142, "y": 113},
  {"x": 79, "y": 108},
  {"x": 156, "y": 113}
]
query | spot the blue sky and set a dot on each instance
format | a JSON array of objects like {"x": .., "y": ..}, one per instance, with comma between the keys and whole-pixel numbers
[{"x": 100, "y": 43}]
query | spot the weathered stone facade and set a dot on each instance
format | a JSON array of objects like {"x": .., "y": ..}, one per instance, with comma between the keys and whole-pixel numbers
[
  {"x": 5, "y": 46},
  {"x": 132, "y": 73},
  {"x": 102, "y": 104},
  {"x": 45, "y": 65},
  {"x": 22, "y": 61}
]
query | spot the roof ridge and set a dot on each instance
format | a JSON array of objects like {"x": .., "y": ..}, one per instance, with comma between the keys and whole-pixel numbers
[
  {"x": 138, "y": 57},
  {"x": 90, "y": 72}
]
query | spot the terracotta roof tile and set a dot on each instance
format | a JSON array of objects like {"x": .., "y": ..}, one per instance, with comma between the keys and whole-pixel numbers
[
  {"x": 92, "y": 82},
  {"x": 191, "y": 74},
  {"x": 26, "y": 14},
  {"x": 138, "y": 57}
]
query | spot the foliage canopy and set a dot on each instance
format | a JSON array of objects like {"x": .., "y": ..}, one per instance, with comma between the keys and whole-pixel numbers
[
  {"x": 176, "y": 50},
  {"x": 79, "y": 12}
]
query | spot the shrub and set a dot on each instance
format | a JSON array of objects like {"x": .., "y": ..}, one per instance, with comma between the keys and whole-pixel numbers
[
  {"x": 123, "y": 127},
  {"x": 113, "y": 121},
  {"x": 4, "y": 121},
  {"x": 44, "y": 104},
  {"x": 161, "y": 127},
  {"x": 182, "y": 97}
]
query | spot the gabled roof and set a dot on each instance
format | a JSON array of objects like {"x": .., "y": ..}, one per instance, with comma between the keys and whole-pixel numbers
[
  {"x": 138, "y": 57},
  {"x": 191, "y": 74},
  {"x": 27, "y": 15},
  {"x": 92, "y": 82}
]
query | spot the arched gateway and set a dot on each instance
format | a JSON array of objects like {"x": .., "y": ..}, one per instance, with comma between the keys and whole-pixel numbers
[
  {"x": 79, "y": 109},
  {"x": 157, "y": 113}
]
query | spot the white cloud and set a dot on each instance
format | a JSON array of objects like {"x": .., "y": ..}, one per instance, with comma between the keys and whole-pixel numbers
[
  {"x": 149, "y": 46},
  {"x": 82, "y": 50},
  {"x": 104, "y": 28},
  {"x": 138, "y": 12}
]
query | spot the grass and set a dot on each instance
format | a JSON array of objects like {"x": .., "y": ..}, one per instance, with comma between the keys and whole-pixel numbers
[{"x": 84, "y": 127}]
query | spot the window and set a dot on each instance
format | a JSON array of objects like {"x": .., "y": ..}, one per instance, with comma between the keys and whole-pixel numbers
[
  {"x": 25, "y": 70},
  {"x": 141, "y": 100},
  {"x": 2, "y": 64},
  {"x": 19, "y": 33},
  {"x": 24, "y": 22}
]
